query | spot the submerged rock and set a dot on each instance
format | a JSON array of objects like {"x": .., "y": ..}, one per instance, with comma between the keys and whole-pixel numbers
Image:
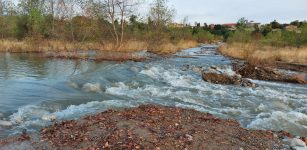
[
  {"x": 89, "y": 87},
  {"x": 5, "y": 123},
  {"x": 49, "y": 117}
]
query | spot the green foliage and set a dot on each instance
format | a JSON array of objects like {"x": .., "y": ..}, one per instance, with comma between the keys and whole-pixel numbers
[
  {"x": 276, "y": 25},
  {"x": 21, "y": 29},
  {"x": 241, "y": 24},
  {"x": 203, "y": 36},
  {"x": 266, "y": 30},
  {"x": 241, "y": 36}
]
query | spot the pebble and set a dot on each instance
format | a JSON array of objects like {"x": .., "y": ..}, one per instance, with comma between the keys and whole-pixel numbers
[
  {"x": 5, "y": 123},
  {"x": 190, "y": 137}
]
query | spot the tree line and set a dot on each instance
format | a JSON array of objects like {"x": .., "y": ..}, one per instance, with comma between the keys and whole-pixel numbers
[
  {"x": 92, "y": 20},
  {"x": 273, "y": 34}
]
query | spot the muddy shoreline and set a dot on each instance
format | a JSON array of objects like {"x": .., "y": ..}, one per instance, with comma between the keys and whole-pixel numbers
[{"x": 149, "y": 127}]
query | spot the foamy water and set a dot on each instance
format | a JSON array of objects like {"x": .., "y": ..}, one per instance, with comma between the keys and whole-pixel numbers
[{"x": 43, "y": 91}]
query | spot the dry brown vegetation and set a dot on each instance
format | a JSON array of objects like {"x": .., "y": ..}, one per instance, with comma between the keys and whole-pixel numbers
[
  {"x": 256, "y": 53},
  {"x": 28, "y": 46}
]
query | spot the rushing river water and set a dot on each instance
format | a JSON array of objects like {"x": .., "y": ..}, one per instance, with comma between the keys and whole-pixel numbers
[{"x": 34, "y": 91}]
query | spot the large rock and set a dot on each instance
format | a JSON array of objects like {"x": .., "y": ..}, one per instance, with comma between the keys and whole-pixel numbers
[
  {"x": 219, "y": 78},
  {"x": 268, "y": 74},
  {"x": 227, "y": 80}
]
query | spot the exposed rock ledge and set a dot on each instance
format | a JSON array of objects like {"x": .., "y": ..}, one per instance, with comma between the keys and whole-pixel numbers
[{"x": 151, "y": 127}]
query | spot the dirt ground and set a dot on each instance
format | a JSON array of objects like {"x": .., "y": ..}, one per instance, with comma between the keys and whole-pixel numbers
[{"x": 149, "y": 127}]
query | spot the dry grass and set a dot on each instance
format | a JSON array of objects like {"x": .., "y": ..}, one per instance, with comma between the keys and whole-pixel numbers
[
  {"x": 170, "y": 48},
  {"x": 29, "y": 45},
  {"x": 265, "y": 54}
]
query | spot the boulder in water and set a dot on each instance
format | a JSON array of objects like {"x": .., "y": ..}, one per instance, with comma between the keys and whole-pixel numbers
[
  {"x": 222, "y": 78},
  {"x": 219, "y": 78},
  {"x": 89, "y": 87}
]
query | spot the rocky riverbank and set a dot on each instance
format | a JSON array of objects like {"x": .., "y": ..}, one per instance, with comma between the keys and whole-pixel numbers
[
  {"x": 151, "y": 127},
  {"x": 241, "y": 75}
]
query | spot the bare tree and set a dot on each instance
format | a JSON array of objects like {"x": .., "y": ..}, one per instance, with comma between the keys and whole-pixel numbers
[
  {"x": 2, "y": 7},
  {"x": 160, "y": 13},
  {"x": 67, "y": 10},
  {"x": 115, "y": 10}
]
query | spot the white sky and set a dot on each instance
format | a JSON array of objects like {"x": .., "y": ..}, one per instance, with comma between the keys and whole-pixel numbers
[{"x": 229, "y": 11}]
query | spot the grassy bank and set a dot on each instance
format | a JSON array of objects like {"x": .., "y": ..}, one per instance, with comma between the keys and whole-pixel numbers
[
  {"x": 257, "y": 53},
  {"x": 28, "y": 46}
]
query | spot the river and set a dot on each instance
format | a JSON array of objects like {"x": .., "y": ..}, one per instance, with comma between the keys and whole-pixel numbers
[{"x": 34, "y": 91}]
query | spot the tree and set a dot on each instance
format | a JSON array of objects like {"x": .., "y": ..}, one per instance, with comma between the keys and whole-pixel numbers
[
  {"x": 241, "y": 24},
  {"x": 160, "y": 13},
  {"x": 185, "y": 21},
  {"x": 114, "y": 10},
  {"x": 295, "y": 23},
  {"x": 276, "y": 25},
  {"x": 266, "y": 30}
]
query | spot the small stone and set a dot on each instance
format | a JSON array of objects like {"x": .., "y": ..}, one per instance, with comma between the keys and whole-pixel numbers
[
  {"x": 275, "y": 135},
  {"x": 214, "y": 67},
  {"x": 190, "y": 137},
  {"x": 253, "y": 85},
  {"x": 244, "y": 85},
  {"x": 138, "y": 147},
  {"x": 134, "y": 69},
  {"x": 197, "y": 70},
  {"x": 106, "y": 145}
]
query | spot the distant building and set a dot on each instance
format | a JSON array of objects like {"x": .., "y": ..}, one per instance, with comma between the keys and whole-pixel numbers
[
  {"x": 211, "y": 26},
  {"x": 232, "y": 26},
  {"x": 291, "y": 28},
  {"x": 252, "y": 24}
]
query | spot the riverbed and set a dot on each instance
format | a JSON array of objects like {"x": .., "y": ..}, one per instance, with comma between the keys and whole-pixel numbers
[{"x": 35, "y": 91}]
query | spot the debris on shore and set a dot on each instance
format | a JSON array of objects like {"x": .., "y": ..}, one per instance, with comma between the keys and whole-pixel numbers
[{"x": 152, "y": 127}]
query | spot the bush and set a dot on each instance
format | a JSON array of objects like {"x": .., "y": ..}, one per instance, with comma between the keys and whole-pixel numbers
[{"x": 240, "y": 36}]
